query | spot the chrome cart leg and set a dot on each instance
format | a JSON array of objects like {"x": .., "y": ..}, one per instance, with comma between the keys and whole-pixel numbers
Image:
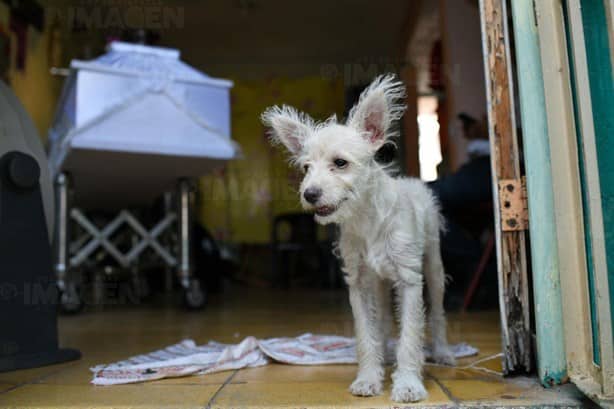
[
  {"x": 184, "y": 233},
  {"x": 60, "y": 242},
  {"x": 139, "y": 283},
  {"x": 194, "y": 296},
  {"x": 169, "y": 208},
  {"x": 70, "y": 300},
  {"x": 98, "y": 288}
]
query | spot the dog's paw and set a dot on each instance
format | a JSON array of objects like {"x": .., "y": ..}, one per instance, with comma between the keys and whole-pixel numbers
[
  {"x": 363, "y": 386},
  {"x": 443, "y": 355},
  {"x": 408, "y": 387}
]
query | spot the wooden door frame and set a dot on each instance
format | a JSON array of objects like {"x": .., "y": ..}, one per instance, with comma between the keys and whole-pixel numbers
[{"x": 514, "y": 297}]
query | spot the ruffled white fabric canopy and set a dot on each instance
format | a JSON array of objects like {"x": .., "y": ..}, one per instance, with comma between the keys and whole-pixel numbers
[{"x": 132, "y": 121}]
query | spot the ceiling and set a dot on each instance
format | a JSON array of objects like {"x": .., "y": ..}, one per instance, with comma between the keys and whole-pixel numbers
[{"x": 260, "y": 38}]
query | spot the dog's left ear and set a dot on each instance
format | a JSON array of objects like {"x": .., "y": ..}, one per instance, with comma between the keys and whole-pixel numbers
[{"x": 378, "y": 107}]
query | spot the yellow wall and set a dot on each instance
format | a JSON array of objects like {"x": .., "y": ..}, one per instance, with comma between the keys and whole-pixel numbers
[
  {"x": 238, "y": 203},
  {"x": 37, "y": 89}
]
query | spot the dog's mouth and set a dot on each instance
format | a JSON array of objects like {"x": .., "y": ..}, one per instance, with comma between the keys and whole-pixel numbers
[
  {"x": 324, "y": 211},
  {"x": 327, "y": 210}
]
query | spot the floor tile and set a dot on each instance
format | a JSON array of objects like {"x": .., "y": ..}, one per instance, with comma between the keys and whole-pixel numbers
[
  {"x": 6, "y": 386},
  {"x": 120, "y": 396},
  {"x": 279, "y": 373},
  {"x": 311, "y": 394},
  {"x": 112, "y": 334},
  {"x": 476, "y": 389},
  {"x": 517, "y": 391},
  {"x": 32, "y": 375},
  {"x": 449, "y": 373}
]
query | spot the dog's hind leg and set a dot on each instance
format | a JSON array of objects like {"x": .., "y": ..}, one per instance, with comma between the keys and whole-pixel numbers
[
  {"x": 435, "y": 284},
  {"x": 369, "y": 340}
]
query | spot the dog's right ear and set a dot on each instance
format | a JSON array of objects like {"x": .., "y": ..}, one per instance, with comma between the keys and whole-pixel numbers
[{"x": 288, "y": 127}]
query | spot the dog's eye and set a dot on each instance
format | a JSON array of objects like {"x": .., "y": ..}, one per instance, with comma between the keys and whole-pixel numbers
[
  {"x": 306, "y": 168},
  {"x": 340, "y": 163}
]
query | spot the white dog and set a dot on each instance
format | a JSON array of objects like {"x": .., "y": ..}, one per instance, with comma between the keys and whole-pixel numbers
[{"x": 389, "y": 232}]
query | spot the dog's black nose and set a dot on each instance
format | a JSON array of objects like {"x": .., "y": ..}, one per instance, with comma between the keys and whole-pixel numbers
[{"x": 312, "y": 194}]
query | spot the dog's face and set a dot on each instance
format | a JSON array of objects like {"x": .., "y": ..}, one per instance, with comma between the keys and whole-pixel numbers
[
  {"x": 335, "y": 159},
  {"x": 338, "y": 159}
]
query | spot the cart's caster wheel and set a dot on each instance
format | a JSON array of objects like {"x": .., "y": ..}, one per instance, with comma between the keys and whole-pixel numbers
[
  {"x": 70, "y": 301},
  {"x": 194, "y": 297}
]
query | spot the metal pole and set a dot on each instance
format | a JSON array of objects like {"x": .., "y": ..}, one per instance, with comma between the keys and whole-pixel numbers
[
  {"x": 184, "y": 233},
  {"x": 168, "y": 270},
  {"x": 61, "y": 239}
]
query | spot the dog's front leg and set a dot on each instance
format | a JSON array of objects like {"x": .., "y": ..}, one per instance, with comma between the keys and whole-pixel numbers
[
  {"x": 369, "y": 342},
  {"x": 384, "y": 311},
  {"x": 407, "y": 378}
]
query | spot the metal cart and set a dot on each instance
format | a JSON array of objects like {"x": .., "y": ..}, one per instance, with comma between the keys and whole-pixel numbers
[{"x": 131, "y": 125}]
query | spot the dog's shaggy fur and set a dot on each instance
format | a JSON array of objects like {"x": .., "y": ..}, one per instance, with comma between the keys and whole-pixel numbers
[{"x": 389, "y": 232}]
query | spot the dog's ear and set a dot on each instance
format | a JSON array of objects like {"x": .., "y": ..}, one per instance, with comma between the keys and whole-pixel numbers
[
  {"x": 378, "y": 107},
  {"x": 288, "y": 127}
]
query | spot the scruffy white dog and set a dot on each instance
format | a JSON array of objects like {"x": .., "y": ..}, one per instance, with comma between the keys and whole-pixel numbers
[{"x": 389, "y": 232}]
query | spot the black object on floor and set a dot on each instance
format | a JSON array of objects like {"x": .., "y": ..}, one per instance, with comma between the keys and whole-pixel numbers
[{"x": 28, "y": 293}]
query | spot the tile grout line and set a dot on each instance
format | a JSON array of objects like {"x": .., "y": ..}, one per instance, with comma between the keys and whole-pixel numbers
[
  {"x": 33, "y": 381},
  {"x": 226, "y": 382},
  {"x": 445, "y": 390}
]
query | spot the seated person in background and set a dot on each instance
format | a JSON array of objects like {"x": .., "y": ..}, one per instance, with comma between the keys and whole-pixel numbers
[
  {"x": 465, "y": 197},
  {"x": 471, "y": 184}
]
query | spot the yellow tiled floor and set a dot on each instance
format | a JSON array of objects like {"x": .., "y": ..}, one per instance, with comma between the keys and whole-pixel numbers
[{"x": 113, "y": 333}]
